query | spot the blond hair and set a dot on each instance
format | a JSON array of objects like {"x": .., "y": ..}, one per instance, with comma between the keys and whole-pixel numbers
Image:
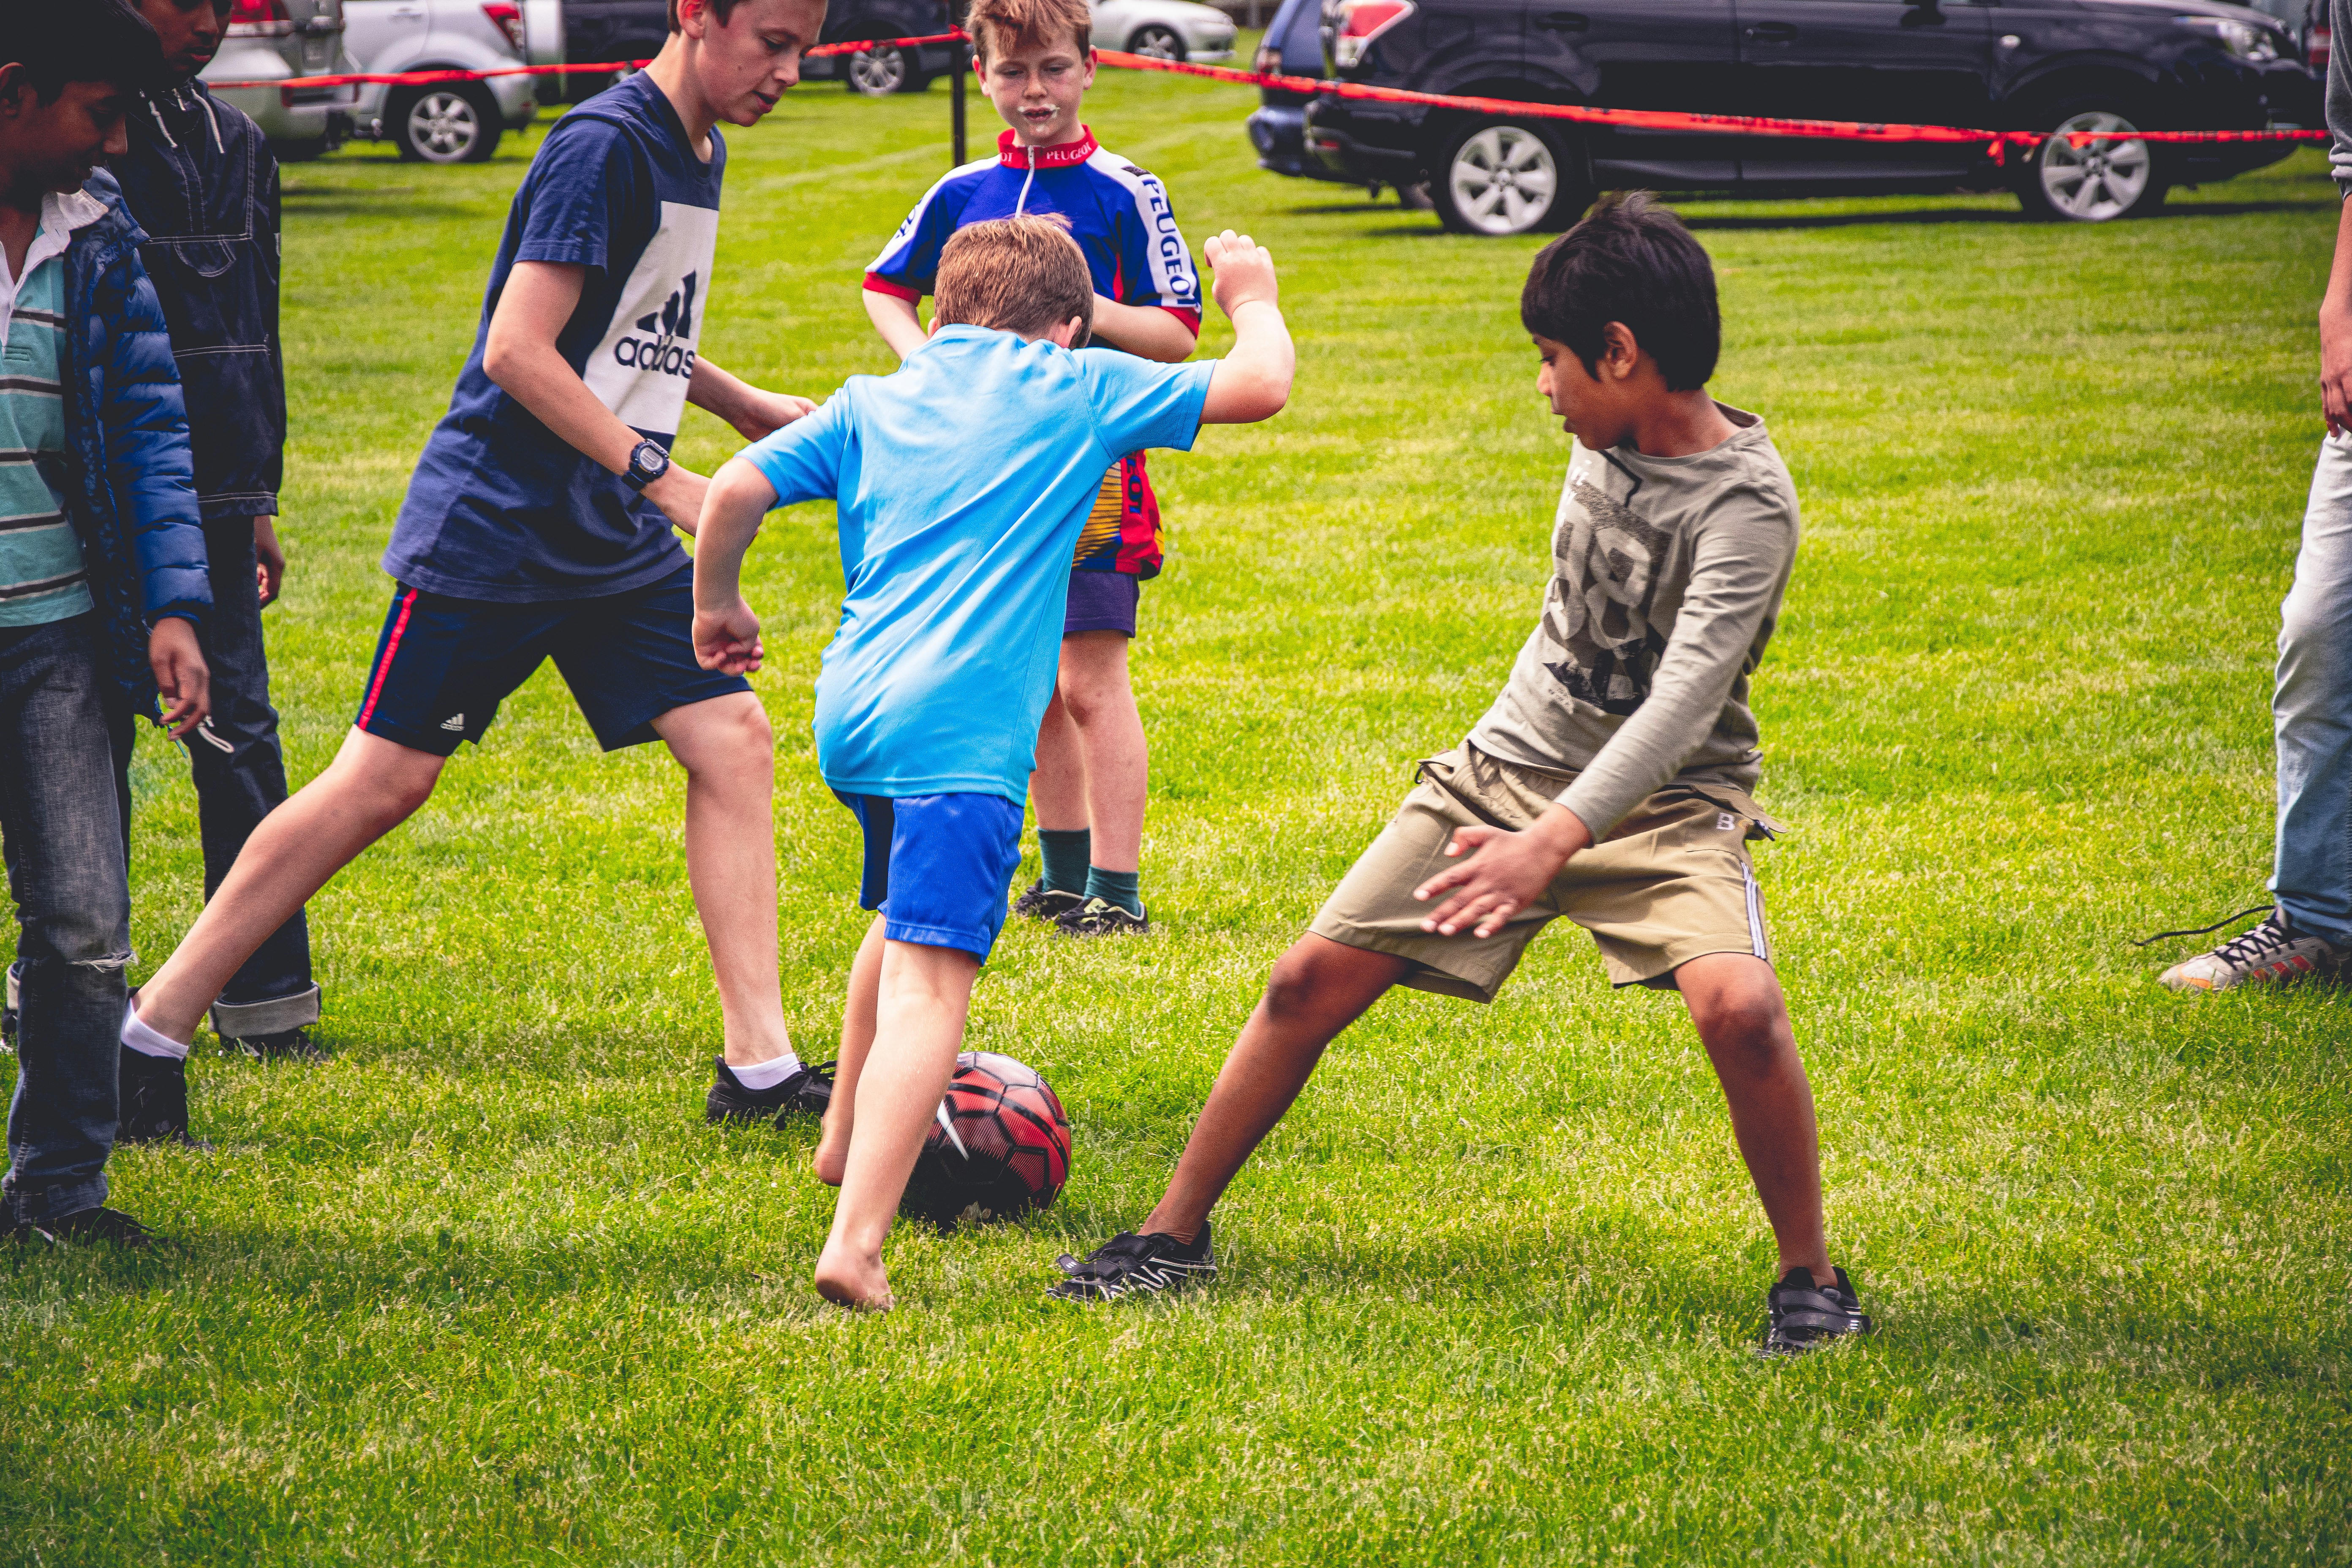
[
  {"x": 991, "y": 22},
  {"x": 1022, "y": 274}
]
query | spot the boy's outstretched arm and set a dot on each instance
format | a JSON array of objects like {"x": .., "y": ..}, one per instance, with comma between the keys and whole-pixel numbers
[
  {"x": 1253, "y": 381},
  {"x": 725, "y": 632},
  {"x": 753, "y": 411}
]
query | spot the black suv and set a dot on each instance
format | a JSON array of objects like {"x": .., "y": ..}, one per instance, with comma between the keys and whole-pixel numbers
[{"x": 2048, "y": 66}]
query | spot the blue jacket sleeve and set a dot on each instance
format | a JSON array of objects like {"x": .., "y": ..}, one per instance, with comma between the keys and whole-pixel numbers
[{"x": 148, "y": 461}]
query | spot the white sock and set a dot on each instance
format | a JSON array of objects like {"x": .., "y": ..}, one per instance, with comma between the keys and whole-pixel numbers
[
  {"x": 759, "y": 1075},
  {"x": 147, "y": 1042}
]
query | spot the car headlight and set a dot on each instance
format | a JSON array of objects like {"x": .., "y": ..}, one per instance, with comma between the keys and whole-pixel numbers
[{"x": 2244, "y": 39}]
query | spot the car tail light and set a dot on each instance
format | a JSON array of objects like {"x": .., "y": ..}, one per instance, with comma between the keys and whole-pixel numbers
[
  {"x": 2319, "y": 49},
  {"x": 1361, "y": 22},
  {"x": 260, "y": 19},
  {"x": 508, "y": 20}
]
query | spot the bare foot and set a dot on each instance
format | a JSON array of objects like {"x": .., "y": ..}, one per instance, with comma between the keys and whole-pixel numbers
[
  {"x": 832, "y": 1155},
  {"x": 859, "y": 1283}
]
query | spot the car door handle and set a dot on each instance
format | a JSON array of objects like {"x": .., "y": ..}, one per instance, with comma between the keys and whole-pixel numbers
[
  {"x": 1566, "y": 21},
  {"x": 1771, "y": 31}
]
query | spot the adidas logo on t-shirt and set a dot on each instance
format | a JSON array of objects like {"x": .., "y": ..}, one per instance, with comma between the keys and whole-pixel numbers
[{"x": 454, "y": 722}]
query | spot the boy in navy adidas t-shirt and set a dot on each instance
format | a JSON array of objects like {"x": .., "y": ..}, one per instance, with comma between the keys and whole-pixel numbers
[
  {"x": 1093, "y": 766},
  {"x": 539, "y": 525},
  {"x": 961, "y": 483}
]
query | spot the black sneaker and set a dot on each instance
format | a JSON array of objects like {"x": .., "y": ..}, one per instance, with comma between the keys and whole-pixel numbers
[
  {"x": 1128, "y": 1263},
  {"x": 1101, "y": 917},
  {"x": 293, "y": 1046},
  {"x": 1043, "y": 903},
  {"x": 806, "y": 1087},
  {"x": 112, "y": 1226},
  {"x": 1806, "y": 1317},
  {"x": 154, "y": 1092}
]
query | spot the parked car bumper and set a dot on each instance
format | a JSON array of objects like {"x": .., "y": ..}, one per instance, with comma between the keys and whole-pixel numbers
[
  {"x": 302, "y": 114},
  {"x": 1361, "y": 147},
  {"x": 517, "y": 96},
  {"x": 1279, "y": 132}
]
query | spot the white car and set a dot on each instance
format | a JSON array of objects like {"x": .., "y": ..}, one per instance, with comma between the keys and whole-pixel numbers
[
  {"x": 447, "y": 122},
  {"x": 1164, "y": 29}
]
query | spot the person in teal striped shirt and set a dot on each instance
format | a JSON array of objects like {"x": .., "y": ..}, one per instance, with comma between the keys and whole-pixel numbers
[
  {"x": 41, "y": 575},
  {"x": 103, "y": 583}
]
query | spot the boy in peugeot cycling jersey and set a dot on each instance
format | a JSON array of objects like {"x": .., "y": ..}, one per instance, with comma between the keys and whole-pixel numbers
[{"x": 1092, "y": 774}]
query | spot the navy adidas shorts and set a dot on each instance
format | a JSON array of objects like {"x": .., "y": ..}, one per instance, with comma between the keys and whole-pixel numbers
[
  {"x": 443, "y": 666},
  {"x": 939, "y": 866}
]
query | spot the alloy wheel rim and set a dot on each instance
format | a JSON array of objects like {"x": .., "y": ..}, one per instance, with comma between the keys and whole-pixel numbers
[
  {"x": 1503, "y": 180},
  {"x": 2098, "y": 180},
  {"x": 443, "y": 126},
  {"x": 879, "y": 71},
  {"x": 1159, "y": 44}
]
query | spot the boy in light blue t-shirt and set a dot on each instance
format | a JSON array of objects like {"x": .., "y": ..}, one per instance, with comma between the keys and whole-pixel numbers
[{"x": 963, "y": 481}]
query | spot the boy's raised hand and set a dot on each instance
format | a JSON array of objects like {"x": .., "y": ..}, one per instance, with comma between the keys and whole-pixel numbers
[
  {"x": 1244, "y": 271},
  {"x": 727, "y": 640}
]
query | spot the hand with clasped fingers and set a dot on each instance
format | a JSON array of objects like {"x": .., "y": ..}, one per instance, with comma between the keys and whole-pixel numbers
[{"x": 1503, "y": 873}]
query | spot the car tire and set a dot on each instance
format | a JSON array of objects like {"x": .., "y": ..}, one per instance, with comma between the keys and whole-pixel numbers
[
  {"x": 878, "y": 73},
  {"x": 2098, "y": 182},
  {"x": 1502, "y": 177},
  {"x": 1156, "y": 43},
  {"x": 449, "y": 122}
]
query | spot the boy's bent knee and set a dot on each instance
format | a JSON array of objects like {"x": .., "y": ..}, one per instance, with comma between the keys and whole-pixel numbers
[{"x": 1311, "y": 975}]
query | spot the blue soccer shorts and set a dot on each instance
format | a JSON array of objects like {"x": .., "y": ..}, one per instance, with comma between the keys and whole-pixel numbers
[
  {"x": 443, "y": 666},
  {"x": 938, "y": 867}
]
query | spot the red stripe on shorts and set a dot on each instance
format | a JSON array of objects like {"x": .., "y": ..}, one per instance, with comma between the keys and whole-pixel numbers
[{"x": 383, "y": 664}]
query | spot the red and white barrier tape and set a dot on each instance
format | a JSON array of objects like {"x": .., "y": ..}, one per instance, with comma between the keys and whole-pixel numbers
[{"x": 1994, "y": 142}]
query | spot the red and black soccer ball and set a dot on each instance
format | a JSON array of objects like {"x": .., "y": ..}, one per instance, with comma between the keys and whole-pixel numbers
[{"x": 998, "y": 1147}]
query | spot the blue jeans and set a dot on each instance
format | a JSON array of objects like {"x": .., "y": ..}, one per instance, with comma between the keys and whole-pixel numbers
[
  {"x": 62, "y": 836},
  {"x": 2312, "y": 711},
  {"x": 240, "y": 778}
]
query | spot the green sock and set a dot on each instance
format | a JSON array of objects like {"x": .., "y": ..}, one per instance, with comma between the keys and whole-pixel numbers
[
  {"x": 1065, "y": 852},
  {"x": 1116, "y": 887}
]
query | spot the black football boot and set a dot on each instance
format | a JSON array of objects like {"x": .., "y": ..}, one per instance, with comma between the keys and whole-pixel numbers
[{"x": 154, "y": 1092}]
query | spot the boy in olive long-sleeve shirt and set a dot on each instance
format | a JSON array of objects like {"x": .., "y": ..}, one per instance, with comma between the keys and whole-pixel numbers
[{"x": 1609, "y": 782}]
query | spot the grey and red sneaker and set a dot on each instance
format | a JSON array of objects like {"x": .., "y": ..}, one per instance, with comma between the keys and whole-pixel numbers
[{"x": 2272, "y": 951}]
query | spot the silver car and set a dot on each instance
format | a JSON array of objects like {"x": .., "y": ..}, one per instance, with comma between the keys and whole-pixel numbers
[
  {"x": 1164, "y": 29},
  {"x": 277, "y": 40},
  {"x": 445, "y": 122}
]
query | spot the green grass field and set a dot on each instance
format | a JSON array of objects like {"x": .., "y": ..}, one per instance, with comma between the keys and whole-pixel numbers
[{"x": 482, "y": 1288}]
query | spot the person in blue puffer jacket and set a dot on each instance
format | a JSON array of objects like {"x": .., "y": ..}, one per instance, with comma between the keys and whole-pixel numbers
[{"x": 103, "y": 583}]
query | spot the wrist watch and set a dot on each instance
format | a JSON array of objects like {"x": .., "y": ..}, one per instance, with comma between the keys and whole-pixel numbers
[{"x": 647, "y": 462}]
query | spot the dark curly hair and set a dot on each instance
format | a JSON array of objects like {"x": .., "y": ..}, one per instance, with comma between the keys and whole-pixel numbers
[{"x": 1630, "y": 260}]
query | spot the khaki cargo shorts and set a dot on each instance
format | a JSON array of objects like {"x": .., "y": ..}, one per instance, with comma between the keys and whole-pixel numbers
[{"x": 1671, "y": 883}]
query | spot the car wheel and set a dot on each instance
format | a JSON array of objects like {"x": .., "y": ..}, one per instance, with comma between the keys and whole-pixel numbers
[
  {"x": 2096, "y": 181},
  {"x": 878, "y": 73},
  {"x": 1156, "y": 43},
  {"x": 456, "y": 122},
  {"x": 1503, "y": 177}
]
